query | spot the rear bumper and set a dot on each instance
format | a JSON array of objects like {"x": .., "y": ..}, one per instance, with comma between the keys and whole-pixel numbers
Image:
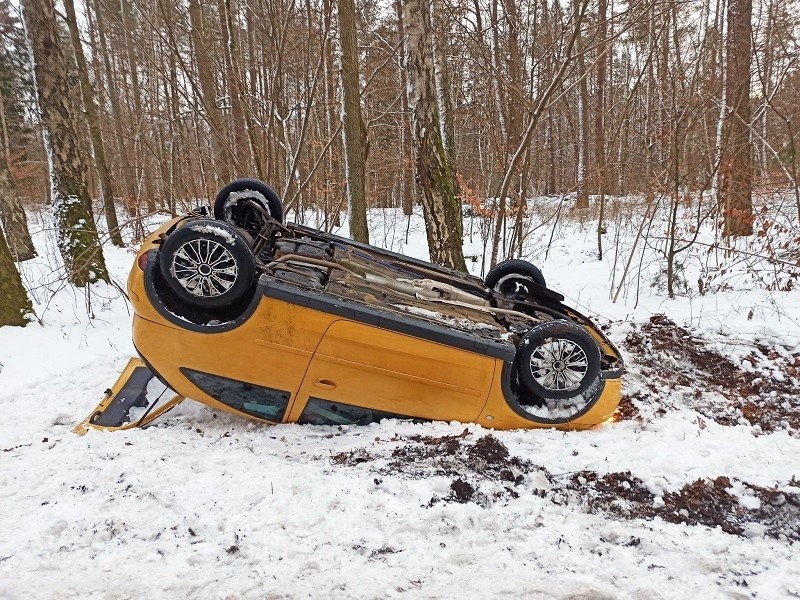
[{"x": 135, "y": 399}]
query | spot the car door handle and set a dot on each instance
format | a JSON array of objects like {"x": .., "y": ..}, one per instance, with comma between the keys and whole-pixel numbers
[{"x": 324, "y": 383}]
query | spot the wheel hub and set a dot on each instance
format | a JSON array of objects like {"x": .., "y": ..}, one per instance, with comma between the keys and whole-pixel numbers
[
  {"x": 559, "y": 364},
  {"x": 204, "y": 268}
]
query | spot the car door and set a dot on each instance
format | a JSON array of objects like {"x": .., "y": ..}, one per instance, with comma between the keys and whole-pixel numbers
[
  {"x": 254, "y": 369},
  {"x": 361, "y": 373}
]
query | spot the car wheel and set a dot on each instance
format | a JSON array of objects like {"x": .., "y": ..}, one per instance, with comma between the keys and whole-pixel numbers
[
  {"x": 207, "y": 263},
  {"x": 231, "y": 204},
  {"x": 557, "y": 360},
  {"x": 509, "y": 276}
]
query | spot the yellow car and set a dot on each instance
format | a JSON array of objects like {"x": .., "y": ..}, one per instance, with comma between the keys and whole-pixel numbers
[{"x": 287, "y": 324}]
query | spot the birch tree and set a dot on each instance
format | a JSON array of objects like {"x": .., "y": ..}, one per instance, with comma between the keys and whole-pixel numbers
[
  {"x": 582, "y": 110},
  {"x": 436, "y": 175},
  {"x": 93, "y": 123},
  {"x": 77, "y": 235},
  {"x": 599, "y": 120}
]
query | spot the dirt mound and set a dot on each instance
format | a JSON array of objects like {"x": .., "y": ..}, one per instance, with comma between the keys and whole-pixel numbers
[
  {"x": 627, "y": 411},
  {"x": 484, "y": 472},
  {"x": 705, "y": 502},
  {"x": 779, "y": 512},
  {"x": 668, "y": 356},
  {"x": 708, "y": 502},
  {"x": 620, "y": 494},
  {"x": 351, "y": 458},
  {"x": 461, "y": 491}
]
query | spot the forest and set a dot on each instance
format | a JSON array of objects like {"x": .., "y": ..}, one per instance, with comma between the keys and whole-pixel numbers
[{"x": 449, "y": 104}]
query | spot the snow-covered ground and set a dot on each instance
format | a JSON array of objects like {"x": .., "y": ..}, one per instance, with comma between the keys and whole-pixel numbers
[{"x": 693, "y": 492}]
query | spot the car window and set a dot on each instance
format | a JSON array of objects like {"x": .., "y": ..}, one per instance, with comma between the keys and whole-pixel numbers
[
  {"x": 326, "y": 412},
  {"x": 254, "y": 400}
]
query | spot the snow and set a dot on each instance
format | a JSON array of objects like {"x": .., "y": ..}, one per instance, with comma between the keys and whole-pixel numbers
[
  {"x": 206, "y": 505},
  {"x": 561, "y": 410},
  {"x": 235, "y": 197},
  {"x": 217, "y": 231},
  {"x": 153, "y": 393}
]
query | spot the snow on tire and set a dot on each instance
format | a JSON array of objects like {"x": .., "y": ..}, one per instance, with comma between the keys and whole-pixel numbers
[
  {"x": 232, "y": 204},
  {"x": 508, "y": 276}
]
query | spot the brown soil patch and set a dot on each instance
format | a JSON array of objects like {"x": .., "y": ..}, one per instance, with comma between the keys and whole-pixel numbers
[
  {"x": 668, "y": 356},
  {"x": 484, "y": 472},
  {"x": 707, "y": 502},
  {"x": 627, "y": 411}
]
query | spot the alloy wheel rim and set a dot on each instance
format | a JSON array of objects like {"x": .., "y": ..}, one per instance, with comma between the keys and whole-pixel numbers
[
  {"x": 204, "y": 268},
  {"x": 559, "y": 365}
]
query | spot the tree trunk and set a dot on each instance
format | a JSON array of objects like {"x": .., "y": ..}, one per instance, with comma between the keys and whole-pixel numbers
[
  {"x": 241, "y": 147},
  {"x": 582, "y": 109},
  {"x": 14, "y": 303},
  {"x": 515, "y": 120},
  {"x": 407, "y": 190},
  {"x": 354, "y": 133},
  {"x": 435, "y": 176},
  {"x": 599, "y": 121},
  {"x": 131, "y": 200},
  {"x": 332, "y": 169},
  {"x": 737, "y": 155},
  {"x": 77, "y": 236},
  {"x": 444, "y": 102},
  {"x": 93, "y": 122},
  {"x": 501, "y": 106},
  {"x": 767, "y": 89},
  {"x": 209, "y": 92},
  {"x": 550, "y": 142},
  {"x": 721, "y": 58},
  {"x": 12, "y": 215},
  {"x": 13, "y": 219}
]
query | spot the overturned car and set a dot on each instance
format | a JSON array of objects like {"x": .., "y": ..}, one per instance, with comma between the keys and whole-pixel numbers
[{"x": 283, "y": 323}]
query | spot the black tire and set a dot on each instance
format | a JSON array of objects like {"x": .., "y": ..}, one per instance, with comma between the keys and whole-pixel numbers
[
  {"x": 237, "y": 212},
  {"x": 207, "y": 264},
  {"x": 543, "y": 360},
  {"x": 509, "y": 275}
]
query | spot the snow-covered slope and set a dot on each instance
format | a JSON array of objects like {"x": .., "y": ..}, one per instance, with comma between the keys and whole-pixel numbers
[{"x": 692, "y": 493}]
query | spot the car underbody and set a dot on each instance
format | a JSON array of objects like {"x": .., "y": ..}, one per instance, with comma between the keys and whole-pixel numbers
[{"x": 206, "y": 276}]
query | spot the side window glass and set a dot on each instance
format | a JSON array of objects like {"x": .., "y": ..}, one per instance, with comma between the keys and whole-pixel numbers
[
  {"x": 326, "y": 412},
  {"x": 261, "y": 402}
]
